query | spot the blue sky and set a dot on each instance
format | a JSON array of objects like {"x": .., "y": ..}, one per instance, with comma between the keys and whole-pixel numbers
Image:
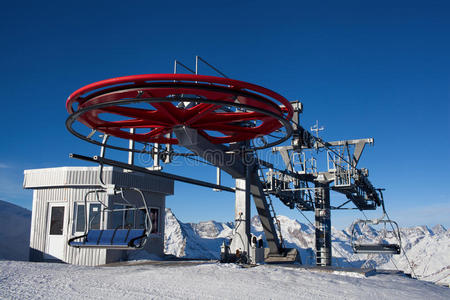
[{"x": 379, "y": 69}]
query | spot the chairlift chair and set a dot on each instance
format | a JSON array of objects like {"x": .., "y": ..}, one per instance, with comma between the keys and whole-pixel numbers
[
  {"x": 376, "y": 248},
  {"x": 117, "y": 238},
  {"x": 380, "y": 248}
]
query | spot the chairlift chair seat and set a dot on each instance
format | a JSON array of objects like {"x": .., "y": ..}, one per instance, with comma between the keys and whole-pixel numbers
[
  {"x": 125, "y": 239},
  {"x": 377, "y": 248},
  {"x": 118, "y": 238}
]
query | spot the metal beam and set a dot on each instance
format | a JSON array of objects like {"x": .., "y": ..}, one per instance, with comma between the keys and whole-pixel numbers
[
  {"x": 105, "y": 161},
  {"x": 323, "y": 224},
  {"x": 345, "y": 142},
  {"x": 242, "y": 217},
  {"x": 286, "y": 159},
  {"x": 257, "y": 191},
  {"x": 359, "y": 147},
  {"x": 218, "y": 155},
  {"x": 230, "y": 162},
  {"x": 322, "y": 144}
]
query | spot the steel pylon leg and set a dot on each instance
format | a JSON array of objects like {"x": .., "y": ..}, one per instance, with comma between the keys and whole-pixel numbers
[
  {"x": 241, "y": 238},
  {"x": 323, "y": 225}
]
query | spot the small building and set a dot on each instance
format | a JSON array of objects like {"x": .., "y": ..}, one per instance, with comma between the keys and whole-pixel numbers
[{"x": 58, "y": 211}]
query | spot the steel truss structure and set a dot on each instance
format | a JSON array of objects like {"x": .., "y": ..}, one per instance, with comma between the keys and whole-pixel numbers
[{"x": 217, "y": 119}]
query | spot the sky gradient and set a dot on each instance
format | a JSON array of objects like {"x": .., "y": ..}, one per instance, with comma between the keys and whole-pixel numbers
[{"x": 379, "y": 69}]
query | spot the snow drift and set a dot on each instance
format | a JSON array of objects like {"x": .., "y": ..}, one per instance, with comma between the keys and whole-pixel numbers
[{"x": 15, "y": 224}]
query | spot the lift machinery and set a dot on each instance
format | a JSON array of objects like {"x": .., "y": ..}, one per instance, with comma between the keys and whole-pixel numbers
[{"x": 226, "y": 123}]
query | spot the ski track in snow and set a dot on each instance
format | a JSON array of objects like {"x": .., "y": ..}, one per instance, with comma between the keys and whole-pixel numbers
[{"x": 27, "y": 280}]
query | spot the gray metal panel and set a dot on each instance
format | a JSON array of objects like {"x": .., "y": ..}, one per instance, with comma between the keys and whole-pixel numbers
[
  {"x": 143, "y": 181},
  {"x": 88, "y": 176},
  {"x": 38, "y": 234},
  {"x": 86, "y": 257}
]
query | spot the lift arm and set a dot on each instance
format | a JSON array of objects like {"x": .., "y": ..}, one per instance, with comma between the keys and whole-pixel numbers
[{"x": 231, "y": 162}]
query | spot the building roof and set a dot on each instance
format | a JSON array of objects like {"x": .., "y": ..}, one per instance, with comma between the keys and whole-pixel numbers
[{"x": 88, "y": 176}]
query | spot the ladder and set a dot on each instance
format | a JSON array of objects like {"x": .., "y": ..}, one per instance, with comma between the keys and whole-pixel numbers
[{"x": 271, "y": 207}]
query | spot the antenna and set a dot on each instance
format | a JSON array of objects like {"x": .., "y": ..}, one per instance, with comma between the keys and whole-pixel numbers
[
  {"x": 316, "y": 128},
  {"x": 198, "y": 58}
]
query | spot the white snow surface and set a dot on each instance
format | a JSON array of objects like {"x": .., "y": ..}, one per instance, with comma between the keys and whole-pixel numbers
[{"x": 26, "y": 280}]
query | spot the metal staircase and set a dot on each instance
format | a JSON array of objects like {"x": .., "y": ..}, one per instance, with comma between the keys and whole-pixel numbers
[{"x": 272, "y": 211}]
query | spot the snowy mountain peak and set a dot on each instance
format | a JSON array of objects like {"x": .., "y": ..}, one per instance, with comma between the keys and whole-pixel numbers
[{"x": 439, "y": 229}]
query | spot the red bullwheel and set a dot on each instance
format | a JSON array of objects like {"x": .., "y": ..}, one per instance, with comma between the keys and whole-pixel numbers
[{"x": 222, "y": 110}]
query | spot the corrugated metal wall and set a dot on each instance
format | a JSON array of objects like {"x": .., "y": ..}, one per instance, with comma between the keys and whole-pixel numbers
[
  {"x": 48, "y": 188},
  {"x": 38, "y": 238},
  {"x": 82, "y": 176}
]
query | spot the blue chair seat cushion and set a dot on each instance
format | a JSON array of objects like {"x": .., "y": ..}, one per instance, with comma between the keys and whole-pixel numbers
[{"x": 111, "y": 237}]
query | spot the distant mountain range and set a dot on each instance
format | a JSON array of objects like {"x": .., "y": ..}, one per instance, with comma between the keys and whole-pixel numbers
[{"x": 428, "y": 249}]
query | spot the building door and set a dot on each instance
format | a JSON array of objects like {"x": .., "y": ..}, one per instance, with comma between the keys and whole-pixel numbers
[{"x": 56, "y": 229}]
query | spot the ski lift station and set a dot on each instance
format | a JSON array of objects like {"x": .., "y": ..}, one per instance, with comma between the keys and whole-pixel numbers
[
  {"x": 59, "y": 211},
  {"x": 102, "y": 213}
]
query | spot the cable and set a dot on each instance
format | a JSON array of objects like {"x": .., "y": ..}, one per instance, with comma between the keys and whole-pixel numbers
[
  {"x": 393, "y": 230},
  {"x": 401, "y": 246},
  {"x": 200, "y": 161},
  {"x": 399, "y": 233},
  {"x": 393, "y": 262},
  {"x": 364, "y": 214}
]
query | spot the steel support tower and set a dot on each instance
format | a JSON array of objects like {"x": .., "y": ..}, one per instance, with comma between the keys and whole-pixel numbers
[{"x": 215, "y": 119}]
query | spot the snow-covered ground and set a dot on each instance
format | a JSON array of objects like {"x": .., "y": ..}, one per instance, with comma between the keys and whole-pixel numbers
[
  {"x": 25, "y": 280},
  {"x": 428, "y": 250}
]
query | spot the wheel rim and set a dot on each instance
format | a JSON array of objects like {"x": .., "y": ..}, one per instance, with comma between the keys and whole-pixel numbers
[{"x": 215, "y": 108}]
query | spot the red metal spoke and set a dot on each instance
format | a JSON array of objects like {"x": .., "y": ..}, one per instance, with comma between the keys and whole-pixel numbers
[
  {"x": 232, "y": 117},
  {"x": 141, "y": 137},
  {"x": 199, "y": 111},
  {"x": 233, "y": 128},
  {"x": 169, "y": 111},
  {"x": 137, "y": 113},
  {"x": 135, "y": 123}
]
